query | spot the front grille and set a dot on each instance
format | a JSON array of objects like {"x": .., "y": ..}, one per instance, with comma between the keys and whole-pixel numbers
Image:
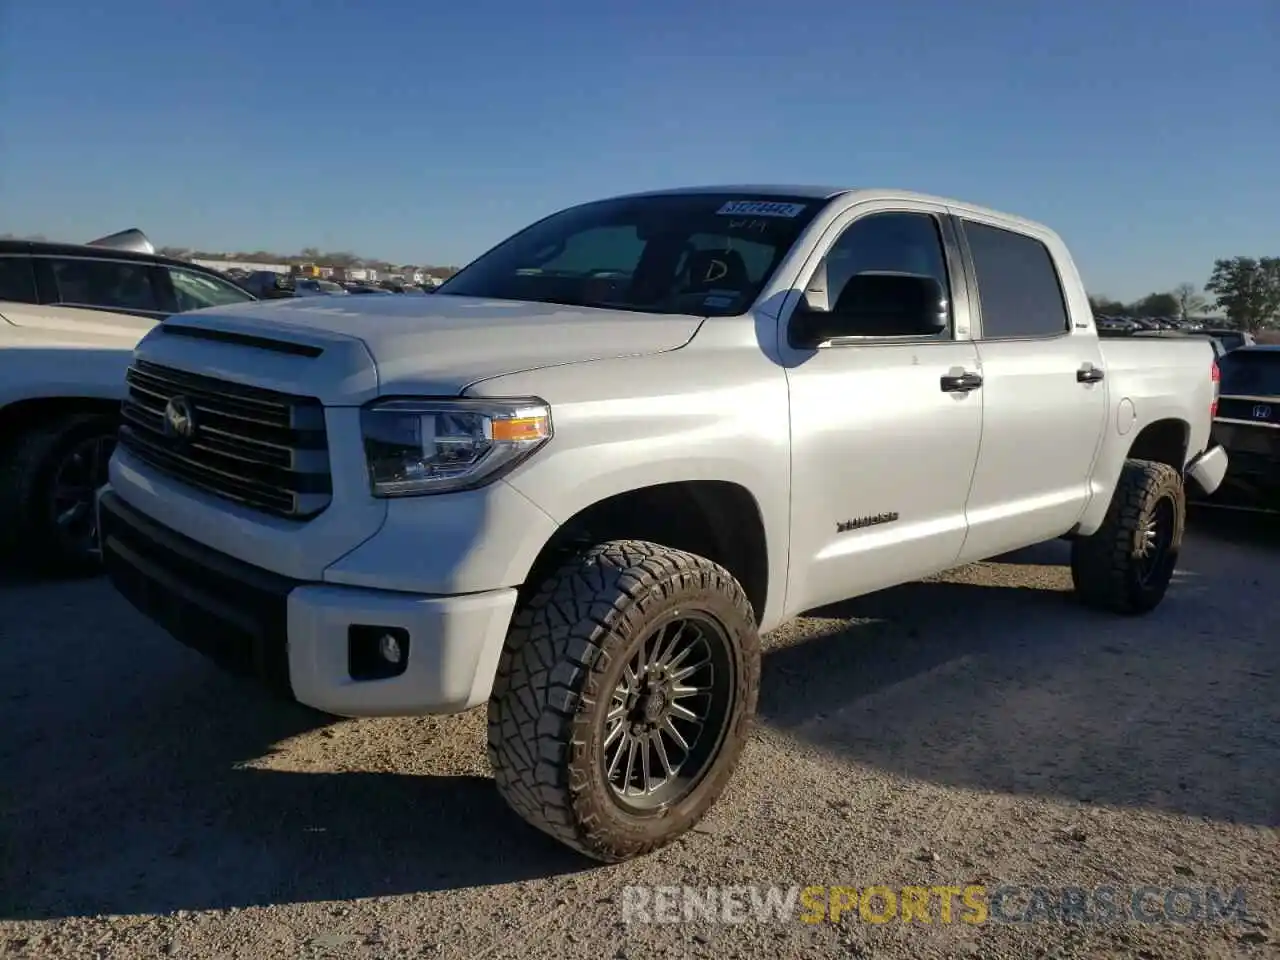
[{"x": 261, "y": 448}]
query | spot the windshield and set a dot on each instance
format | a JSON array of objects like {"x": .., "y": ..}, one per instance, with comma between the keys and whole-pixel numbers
[
  {"x": 1250, "y": 372},
  {"x": 703, "y": 254}
]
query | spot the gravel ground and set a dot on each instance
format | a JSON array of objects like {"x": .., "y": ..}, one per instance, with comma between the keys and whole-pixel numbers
[{"x": 977, "y": 728}]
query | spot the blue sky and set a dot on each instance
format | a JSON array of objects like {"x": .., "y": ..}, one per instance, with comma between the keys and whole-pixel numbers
[{"x": 1147, "y": 133}]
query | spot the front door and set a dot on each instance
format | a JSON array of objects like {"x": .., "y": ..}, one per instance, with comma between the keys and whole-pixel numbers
[{"x": 883, "y": 451}]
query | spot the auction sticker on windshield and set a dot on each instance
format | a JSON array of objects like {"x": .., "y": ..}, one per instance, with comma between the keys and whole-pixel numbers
[{"x": 760, "y": 208}]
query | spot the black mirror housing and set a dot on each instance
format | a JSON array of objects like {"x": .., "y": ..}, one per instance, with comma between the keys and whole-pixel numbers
[
  {"x": 874, "y": 304},
  {"x": 811, "y": 325}
]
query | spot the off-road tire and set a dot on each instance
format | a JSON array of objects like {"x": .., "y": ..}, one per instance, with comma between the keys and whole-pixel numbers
[
  {"x": 553, "y": 683},
  {"x": 1104, "y": 565},
  {"x": 28, "y": 537}
]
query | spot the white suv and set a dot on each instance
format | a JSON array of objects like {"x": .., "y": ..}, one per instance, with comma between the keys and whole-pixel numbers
[{"x": 70, "y": 316}]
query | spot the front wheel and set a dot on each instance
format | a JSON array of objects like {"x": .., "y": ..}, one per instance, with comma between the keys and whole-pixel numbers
[
  {"x": 48, "y": 485},
  {"x": 623, "y": 698},
  {"x": 1125, "y": 567}
]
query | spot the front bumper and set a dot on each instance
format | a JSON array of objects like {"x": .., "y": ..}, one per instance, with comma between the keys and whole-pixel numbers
[{"x": 297, "y": 636}]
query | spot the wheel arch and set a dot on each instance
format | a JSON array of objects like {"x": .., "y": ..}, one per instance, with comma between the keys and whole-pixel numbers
[
  {"x": 1164, "y": 440},
  {"x": 717, "y": 519}
]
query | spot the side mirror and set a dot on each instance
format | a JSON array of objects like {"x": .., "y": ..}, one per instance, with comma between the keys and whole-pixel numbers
[
  {"x": 879, "y": 304},
  {"x": 812, "y": 323}
]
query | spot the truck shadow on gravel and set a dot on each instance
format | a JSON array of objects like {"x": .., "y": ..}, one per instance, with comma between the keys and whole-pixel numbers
[
  {"x": 126, "y": 788},
  {"x": 1015, "y": 688}
]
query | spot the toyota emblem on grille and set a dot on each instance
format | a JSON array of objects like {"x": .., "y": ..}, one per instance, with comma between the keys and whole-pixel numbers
[
  {"x": 179, "y": 419},
  {"x": 1262, "y": 412}
]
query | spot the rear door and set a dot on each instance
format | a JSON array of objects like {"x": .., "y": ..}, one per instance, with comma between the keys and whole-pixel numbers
[{"x": 1045, "y": 394}]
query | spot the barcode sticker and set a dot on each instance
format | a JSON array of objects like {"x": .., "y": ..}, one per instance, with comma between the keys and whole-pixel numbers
[{"x": 760, "y": 208}]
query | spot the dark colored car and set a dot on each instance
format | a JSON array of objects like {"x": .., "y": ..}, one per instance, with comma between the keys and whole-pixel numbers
[
  {"x": 1247, "y": 424},
  {"x": 268, "y": 285},
  {"x": 1231, "y": 339}
]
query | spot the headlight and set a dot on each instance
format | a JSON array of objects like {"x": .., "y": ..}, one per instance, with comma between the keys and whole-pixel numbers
[{"x": 434, "y": 446}]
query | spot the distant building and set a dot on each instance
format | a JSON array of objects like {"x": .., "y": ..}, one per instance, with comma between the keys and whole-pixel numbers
[{"x": 246, "y": 265}]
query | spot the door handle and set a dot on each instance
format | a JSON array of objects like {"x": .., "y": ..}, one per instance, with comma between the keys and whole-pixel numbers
[
  {"x": 1089, "y": 374},
  {"x": 961, "y": 382}
]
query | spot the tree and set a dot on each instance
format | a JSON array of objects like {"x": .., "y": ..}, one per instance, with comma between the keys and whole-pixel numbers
[
  {"x": 1248, "y": 290},
  {"x": 1106, "y": 307},
  {"x": 1189, "y": 301},
  {"x": 1156, "y": 305}
]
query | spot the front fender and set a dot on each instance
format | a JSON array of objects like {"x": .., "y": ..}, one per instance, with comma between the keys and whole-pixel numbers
[{"x": 653, "y": 428}]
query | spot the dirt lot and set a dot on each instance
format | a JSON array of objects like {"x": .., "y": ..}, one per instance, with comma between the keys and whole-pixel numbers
[{"x": 979, "y": 728}]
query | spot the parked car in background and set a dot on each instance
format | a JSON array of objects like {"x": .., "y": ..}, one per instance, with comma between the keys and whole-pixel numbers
[
  {"x": 1247, "y": 425},
  {"x": 70, "y": 316},
  {"x": 1231, "y": 339},
  {"x": 1115, "y": 325},
  {"x": 268, "y": 285},
  {"x": 365, "y": 288},
  {"x": 312, "y": 287},
  {"x": 578, "y": 481}
]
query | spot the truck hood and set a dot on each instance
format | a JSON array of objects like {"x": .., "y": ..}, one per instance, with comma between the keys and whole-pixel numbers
[{"x": 428, "y": 345}]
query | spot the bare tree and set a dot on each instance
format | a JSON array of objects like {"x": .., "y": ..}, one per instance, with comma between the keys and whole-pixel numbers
[{"x": 1189, "y": 300}]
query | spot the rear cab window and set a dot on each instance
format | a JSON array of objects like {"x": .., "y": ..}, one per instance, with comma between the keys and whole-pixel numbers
[
  {"x": 706, "y": 254},
  {"x": 1020, "y": 293}
]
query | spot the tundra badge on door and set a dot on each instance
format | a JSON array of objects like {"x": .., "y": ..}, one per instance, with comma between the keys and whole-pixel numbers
[{"x": 844, "y": 526}]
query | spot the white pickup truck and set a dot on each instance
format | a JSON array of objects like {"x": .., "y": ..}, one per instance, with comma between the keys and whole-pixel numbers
[{"x": 579, "y": 481}]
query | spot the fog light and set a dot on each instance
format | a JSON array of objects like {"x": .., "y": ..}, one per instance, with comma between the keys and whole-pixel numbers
[
  {"x": 389, "y": 648},
  {"x": 376, "y": 651}
]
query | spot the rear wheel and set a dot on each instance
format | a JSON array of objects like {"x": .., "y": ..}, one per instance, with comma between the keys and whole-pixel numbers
[
  {"x": 1126, "y": 566},
  {"x": 623, "y": 698},
  {"x": 48, "y": 484}
]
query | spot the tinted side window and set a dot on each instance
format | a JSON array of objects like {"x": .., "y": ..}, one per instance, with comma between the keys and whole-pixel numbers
[
  {"x": 886, "y": 242},
  {"x": 17, "y": 280},
  {"x": 105, "y": 284},
  {"x": 193, "y": 290},
  {"x": 1018, "y": 286}
]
